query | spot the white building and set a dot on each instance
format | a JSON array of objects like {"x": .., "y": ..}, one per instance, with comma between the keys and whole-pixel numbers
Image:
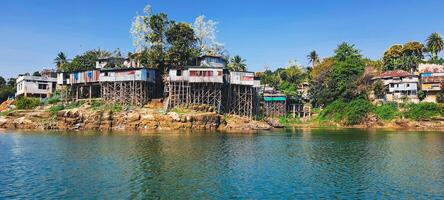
[
  {"x": 35, "y": 86},
  {"x": 399, "y": 85},
  {"x": 210, "y": 69}
]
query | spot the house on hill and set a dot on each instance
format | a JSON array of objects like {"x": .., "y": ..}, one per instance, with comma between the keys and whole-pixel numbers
[
  {"x": 35, "y": 86},
  {"x": 115, "y": 80},
  {"x": 134, "y": 86},
  {"x": 399, "y": 86},
  {"x": 432, "y": 80},
  {"x": 200, "y": 83}
]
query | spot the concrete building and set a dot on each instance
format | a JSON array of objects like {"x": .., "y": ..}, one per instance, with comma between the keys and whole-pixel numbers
[
  {"x": 399, "y": 86},
  {"x": 432, "y": 80},
  {"x": 35, "y": 86}
]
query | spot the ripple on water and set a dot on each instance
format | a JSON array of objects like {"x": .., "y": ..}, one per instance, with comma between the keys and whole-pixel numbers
[{"x": 340, "y": 164}]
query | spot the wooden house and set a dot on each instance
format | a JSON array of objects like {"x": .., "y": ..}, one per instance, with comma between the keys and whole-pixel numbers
[
  {"x": 431, "y": 80},
  {"x": 241, "y": 95},
  {"x": 200, "y": 83},
  {"x": 274, "y": 105},
  {"x": 133, "y": 86}
]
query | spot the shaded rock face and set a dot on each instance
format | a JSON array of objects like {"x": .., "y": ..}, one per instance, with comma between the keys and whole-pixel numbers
[{"x": 134, "y": 120}]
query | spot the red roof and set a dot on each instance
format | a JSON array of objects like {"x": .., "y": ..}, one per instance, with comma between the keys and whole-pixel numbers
[{"x": 394, "y": 73}]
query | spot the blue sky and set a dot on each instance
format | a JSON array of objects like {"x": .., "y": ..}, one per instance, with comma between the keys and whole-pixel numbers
[{"x": 266, "y": 33}]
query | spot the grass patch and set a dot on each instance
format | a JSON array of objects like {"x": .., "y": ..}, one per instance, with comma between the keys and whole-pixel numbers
[
  {"x": 72, "y": 105},
  {"x": 287, "y": 121},
  {"x": 180, "y": 110},
  {"x": 55, "y": 109}
]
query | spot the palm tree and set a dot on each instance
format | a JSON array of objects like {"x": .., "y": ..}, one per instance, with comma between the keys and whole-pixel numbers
[
  {"x": 313, "y": 58},
  {"x": 435, "y": 44},
  {"x": 60, "y": 59},
  {"x": 237, "y": 64}
]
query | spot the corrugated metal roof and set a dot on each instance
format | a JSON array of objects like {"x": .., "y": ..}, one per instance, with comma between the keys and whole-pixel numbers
[
  {"x": 394, "y": 73},
  {"x": 275, "y": 98}
]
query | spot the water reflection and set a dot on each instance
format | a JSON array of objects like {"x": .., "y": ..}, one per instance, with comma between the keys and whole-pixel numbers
[{"x": 310, "y": 163}]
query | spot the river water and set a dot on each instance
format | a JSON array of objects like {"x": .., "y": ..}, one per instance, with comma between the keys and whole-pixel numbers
[{"x": 288, "y": 164}]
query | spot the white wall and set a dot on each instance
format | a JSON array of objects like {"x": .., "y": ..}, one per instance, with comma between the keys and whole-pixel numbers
[{"x": 29, "y": 85}]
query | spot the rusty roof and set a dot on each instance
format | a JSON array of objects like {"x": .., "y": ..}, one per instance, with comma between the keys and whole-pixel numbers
[{"x": 394, "y": 73}]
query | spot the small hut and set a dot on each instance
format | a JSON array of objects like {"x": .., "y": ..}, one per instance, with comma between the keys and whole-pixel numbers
[{"x": 274, "y": 105}]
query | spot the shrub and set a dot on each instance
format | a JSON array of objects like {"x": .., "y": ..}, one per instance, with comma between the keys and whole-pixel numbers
[
  {"x": 74, "y": 104},
  {"x": 96, "y": 104},
  {"x": 439, "y": 97},
  {"x": 357, "y": 110},
  {"x": 27, "y": 103},
  {"x": 421, "y": 95},
  {"x": 348, "y": 113},
  {"x": 386, "y": 111},
  {"x": 55, "y": 109},
  {"x": 423, "y": 111}
]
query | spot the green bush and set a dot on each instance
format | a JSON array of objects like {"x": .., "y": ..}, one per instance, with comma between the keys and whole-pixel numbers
[
  {"x": 423, "y": 111},
  {"x": 96, "y": 104},
  {"x": 27, "y": 103},
  {"x": 55, "y": 109},
  {"x": 439, "y": 97},
  {"x": 387, "y": 111},
  {"x": 74, "y": 104},
  {"x": 349, "y": 113},
  {"x": 289, "y": 121}
]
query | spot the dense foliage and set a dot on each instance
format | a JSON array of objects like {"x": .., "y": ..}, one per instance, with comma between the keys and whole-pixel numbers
[
  {"x": 423, "y": 111},
  {"x": 336, "y": 78},
  {"x": 7, "y": 89},
  {"x": 27, "y": 103},
  {"x": 348, "y": 113}
]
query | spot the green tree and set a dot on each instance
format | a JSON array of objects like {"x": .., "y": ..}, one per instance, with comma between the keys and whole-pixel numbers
[
  {"x": 86, "y": 61},
  {"x": 156, "y": 56},
  {"x": 60, "y": 60},
  {"x": 237, "y": 63},
  {"x": 378, "y": 89},
  {"x": 36, "y": 73},
  {"x": 435, "y": 44},
  {"x": 182, "y": 42},
  {"x": 403, "y": 57},
  {"x": 313, "y": 58},
  {"x": 348, "y": 66},
  {"x": 2, "y": 81}
]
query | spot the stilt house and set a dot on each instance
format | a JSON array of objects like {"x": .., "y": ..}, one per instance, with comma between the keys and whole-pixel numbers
[
  {"x": 198, "y": 84},
  {"x": 242, "y": 94}
]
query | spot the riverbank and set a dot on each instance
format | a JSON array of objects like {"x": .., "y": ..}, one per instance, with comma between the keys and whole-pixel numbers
[{"x": 97, "y": 116}]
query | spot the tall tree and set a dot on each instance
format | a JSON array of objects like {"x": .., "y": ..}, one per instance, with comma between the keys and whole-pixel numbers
[
  {"x": 159, "y": 24},
  {"x": 237, "y": 64},
  {"x": 205, "y": 32},
  {"x": 140, "y": 28},
  {"x": 313, "y": 58},
  {"x": 348, "y": 66},
  {"x": 60, "y": 60},
  {"x": 435, "y": 44},
  {"x": 182, "y": 42},
  {"x": 2, "y": 81},
  {"x": 403, "y": 57}
]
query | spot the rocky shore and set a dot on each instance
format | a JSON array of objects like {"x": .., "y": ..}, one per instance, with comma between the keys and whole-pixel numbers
[{"x": 137, "y": 119}]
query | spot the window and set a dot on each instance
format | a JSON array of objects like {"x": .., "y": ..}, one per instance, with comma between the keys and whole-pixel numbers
[
  {"x": 408, "y": 85},
  {"x": 43, "y": 86},
  {"x": 106, "y": 73},
  {"x": 178, "y": 72}
]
